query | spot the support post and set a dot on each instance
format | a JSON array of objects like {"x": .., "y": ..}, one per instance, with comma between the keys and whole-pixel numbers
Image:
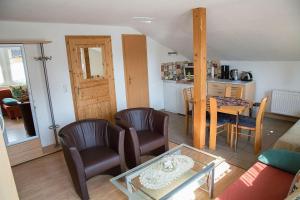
[{"x": 199, "y": 42}]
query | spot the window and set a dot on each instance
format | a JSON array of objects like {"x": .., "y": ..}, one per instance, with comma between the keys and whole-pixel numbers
[{"x": 11, "y": 66}]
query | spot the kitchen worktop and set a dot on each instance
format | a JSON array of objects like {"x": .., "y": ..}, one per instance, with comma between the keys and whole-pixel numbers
[{"x": 211, "y": 80}]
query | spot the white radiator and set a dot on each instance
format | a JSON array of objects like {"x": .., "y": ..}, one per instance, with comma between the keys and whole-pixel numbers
[{"x": 286, "y": 102}]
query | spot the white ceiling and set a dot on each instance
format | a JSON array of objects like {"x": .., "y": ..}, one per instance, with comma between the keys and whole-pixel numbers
[{"x": 236, "y": 29}]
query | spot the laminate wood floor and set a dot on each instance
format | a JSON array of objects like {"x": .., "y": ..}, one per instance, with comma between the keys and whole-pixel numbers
[
  {"x": 48, "y": 178},
  {"x": 244, "y": 157}
]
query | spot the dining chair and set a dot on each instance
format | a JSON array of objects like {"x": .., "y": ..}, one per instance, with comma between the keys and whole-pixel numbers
[
  {"x": 188, "y": 95},
  {"x": 250, "y": 124},
  {"x": 234, "y": 91},
  {"x": 216, "y": 120}
]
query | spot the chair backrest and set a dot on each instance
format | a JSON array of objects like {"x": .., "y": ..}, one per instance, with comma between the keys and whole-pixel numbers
[
  {"x": 234, "y": 91},
  {"x": 139, "y": 118},
  {"x": 188, "y": 95},
  {"x": 85, "y": 134},
  {"x": 261, "y": 112}
]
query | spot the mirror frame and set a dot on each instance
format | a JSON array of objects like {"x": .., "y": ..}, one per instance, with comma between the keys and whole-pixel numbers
[
  {"x": 31, "y": 100},
  {"x": 103, "y": 59}
]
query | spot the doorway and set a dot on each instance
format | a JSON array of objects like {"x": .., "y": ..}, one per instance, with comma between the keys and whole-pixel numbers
[
  {"x": 92, "y": 77},
  {"x": 136, "y": 70},
  {"x": 17, "y": 109}
]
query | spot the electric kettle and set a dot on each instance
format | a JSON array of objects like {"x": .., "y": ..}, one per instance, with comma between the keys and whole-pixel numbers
[
  {"x": 246, "y": 76},
  {"x": 234, "y": 74}
]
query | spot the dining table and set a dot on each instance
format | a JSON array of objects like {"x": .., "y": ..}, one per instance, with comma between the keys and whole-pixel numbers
[{"x": 227, "y": 105}]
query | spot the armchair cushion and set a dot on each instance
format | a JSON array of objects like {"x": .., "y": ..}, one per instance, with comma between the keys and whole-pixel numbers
[
  {"x": 98, "y": 158},
  {"x": 149, "y": 141}
]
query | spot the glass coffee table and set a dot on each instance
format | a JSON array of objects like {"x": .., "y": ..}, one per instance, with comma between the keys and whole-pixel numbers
[{"x": 179, "y": 171}]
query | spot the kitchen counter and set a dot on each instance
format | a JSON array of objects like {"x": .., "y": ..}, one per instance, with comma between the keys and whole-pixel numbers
[
  {"x": 173, "y": 91},
  {"x": 211, "y": 81},
  {"x": 228, "y": 81}
]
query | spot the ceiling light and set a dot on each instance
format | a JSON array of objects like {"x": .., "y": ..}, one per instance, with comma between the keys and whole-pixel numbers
[{"x": 147, "y": 20}]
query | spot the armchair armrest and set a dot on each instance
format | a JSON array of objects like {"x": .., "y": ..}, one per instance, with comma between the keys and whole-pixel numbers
[
  {"x": 124, "y": 124},
  {"x": 131, "y": 141},
  {"x": 116, "y": 137},
  {"x": 129, "y": 130},
  {"x": 160, "y": 122},
  {"x": 76, "y": 168}
]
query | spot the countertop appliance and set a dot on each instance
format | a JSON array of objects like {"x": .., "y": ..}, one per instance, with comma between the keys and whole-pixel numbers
[
  {"x": 224, "y": 72},
  {"x": 246, "y": 76},
  {"x": 188, "y": 71},
  {"x": 234, "y": 73}
]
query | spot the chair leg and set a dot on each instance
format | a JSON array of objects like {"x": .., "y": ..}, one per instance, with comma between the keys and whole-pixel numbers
[
  {"x": 257, "y": 141},
  {"x": 249, "y": 135},
  {"x": 232, "y": 135},
  {"x": 187, "y": 123},
  {"x": 228, "y": 130}
]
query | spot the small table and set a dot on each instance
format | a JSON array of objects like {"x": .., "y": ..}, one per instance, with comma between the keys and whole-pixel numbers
[{"x": 206, "y": 167}]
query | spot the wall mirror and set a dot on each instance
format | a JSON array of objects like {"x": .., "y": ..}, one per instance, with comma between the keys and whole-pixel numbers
[
  {"x": 17, "y": 111},
  {"x": 92, "y": 62}
]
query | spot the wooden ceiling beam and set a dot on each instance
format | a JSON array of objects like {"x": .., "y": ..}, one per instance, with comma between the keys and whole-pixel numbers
[{"x": 199, "y": 43}]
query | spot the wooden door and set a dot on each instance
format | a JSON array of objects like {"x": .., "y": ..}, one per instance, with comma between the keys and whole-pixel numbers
[
  {"x": 136, "y": 70},
  {"x": 92, "y": 77}
]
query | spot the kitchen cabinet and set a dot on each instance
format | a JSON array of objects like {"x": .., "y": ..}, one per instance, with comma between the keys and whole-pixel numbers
[
  {"x": 173, "y": 96},
  {"x": 217, "y": 88}
]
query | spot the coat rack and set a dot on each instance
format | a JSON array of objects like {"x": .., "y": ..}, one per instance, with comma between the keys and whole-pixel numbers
[{"x": 44, "y": 60}]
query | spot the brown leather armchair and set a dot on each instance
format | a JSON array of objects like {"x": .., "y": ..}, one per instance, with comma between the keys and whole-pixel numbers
[
  {"x": 146, "y": 132},
  {"x": 92, "y": 147}
]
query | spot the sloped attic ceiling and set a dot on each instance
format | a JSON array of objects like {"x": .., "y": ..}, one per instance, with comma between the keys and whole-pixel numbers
[{"x": 236, "y": 29}]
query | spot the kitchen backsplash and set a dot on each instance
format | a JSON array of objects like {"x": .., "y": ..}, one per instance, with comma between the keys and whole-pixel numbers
[{"x": 173, "y": 70}]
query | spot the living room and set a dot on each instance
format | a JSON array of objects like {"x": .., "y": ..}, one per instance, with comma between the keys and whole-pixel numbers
[{"x": 146, "y": 50}]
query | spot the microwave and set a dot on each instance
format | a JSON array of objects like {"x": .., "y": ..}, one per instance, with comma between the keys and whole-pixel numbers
[{"x": 188, "y": 71}]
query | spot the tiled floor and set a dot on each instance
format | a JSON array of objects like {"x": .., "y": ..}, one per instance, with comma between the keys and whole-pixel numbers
[{"x": 244, "y": 157}]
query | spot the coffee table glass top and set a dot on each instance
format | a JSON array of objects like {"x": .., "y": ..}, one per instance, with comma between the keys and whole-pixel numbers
[{"x": 169, "y": 173}]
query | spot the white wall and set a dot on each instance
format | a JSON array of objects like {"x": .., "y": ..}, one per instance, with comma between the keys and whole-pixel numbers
[
  {"x": 158, "y": 54},
  {"x": 58, "y": 67},
  {"x": 270, "y": 75}
]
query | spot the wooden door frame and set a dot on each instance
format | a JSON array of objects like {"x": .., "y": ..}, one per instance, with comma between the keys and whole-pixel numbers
[
  {"x": 125, "y": 68},
  {"x": 109, "y": 62}
]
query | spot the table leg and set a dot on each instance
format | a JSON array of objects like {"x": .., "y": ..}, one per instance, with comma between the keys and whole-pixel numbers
[
  {"x": 211, "y": 183},
  {"x": 213, "y": 133}
]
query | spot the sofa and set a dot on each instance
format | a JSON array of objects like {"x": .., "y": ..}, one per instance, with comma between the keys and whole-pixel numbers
[{"x": 264, "y": 181}]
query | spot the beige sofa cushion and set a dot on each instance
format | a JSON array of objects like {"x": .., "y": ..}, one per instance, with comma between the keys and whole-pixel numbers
[{"x": 290, "y": 140}]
